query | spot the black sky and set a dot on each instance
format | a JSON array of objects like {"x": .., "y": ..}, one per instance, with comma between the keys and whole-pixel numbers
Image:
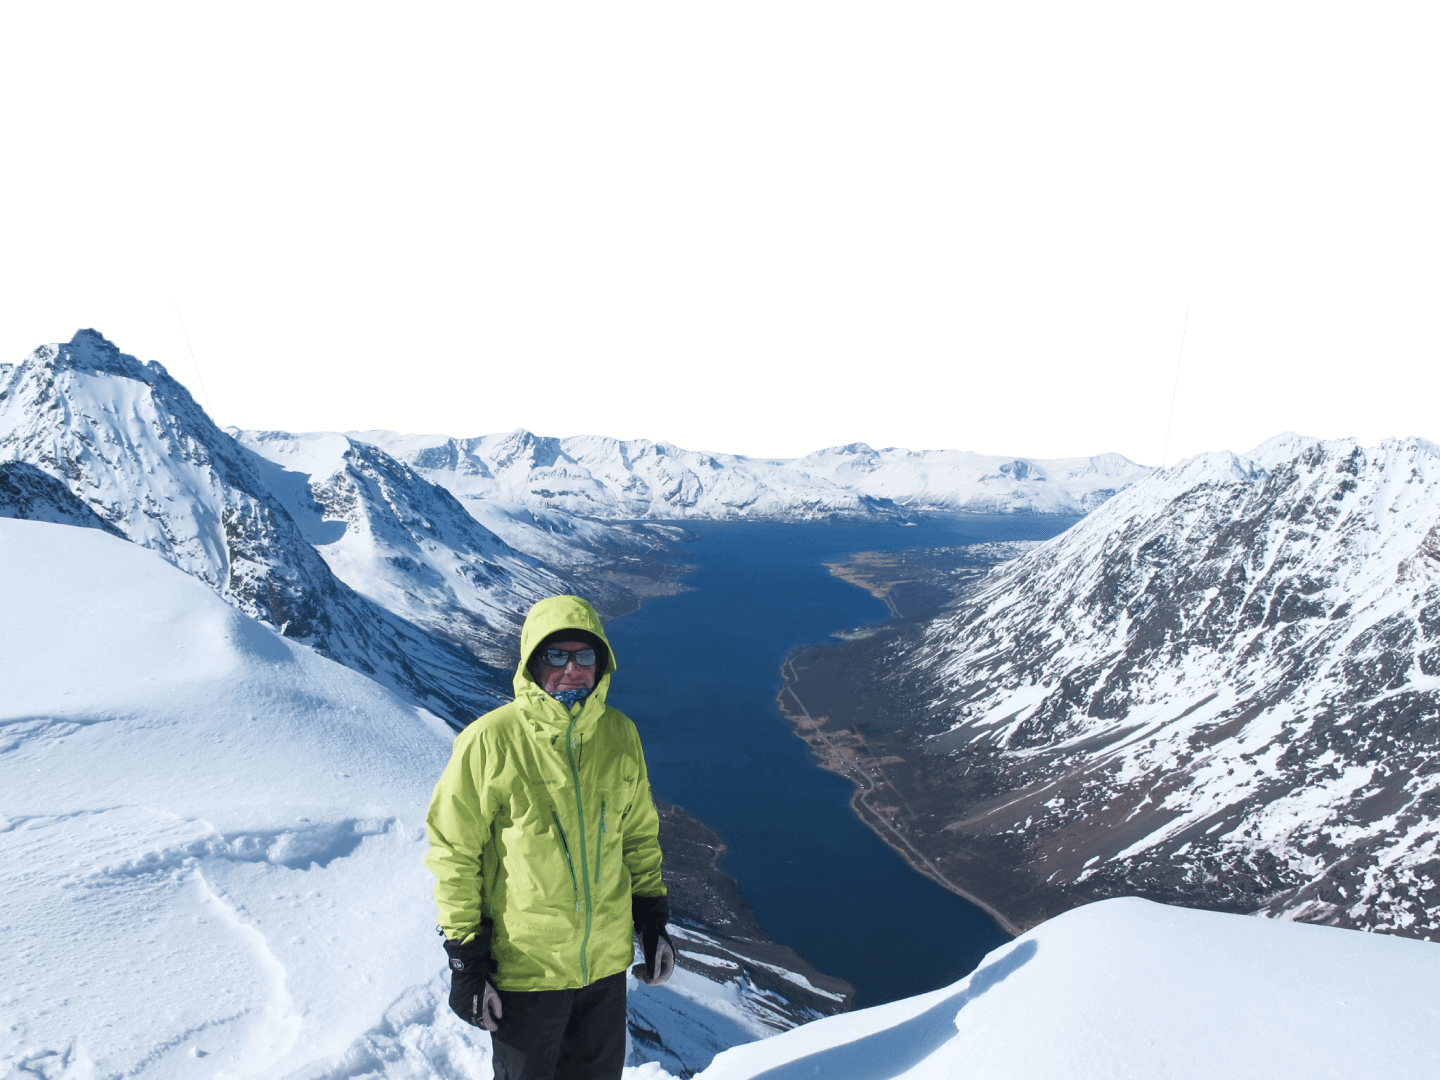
[{"x": 782, "y": 375}]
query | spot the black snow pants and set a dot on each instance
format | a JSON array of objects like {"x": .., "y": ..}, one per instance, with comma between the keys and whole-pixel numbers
[{"x": 562, "y": 1034}]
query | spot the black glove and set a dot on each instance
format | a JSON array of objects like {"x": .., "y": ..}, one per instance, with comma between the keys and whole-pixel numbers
[
  {"x": 650, "y": 914},
  {"x": 472, "y": 994}
]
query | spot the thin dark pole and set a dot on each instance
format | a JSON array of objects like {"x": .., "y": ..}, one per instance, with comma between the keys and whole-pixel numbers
[
  {"x": 1175, "y": 392},
  {"x": 201, "y": 379}
]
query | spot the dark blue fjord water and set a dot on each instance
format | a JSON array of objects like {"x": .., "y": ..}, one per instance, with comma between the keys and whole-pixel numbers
[{"x": 699, "y": 673}]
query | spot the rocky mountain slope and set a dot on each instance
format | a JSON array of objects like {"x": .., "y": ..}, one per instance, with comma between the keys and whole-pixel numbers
[
  {"x": 28, "y": 494},
  {"x": 1221, "y": 688},
  {"x": 608, "y": 478},
  {"x": 738, "y": 984},
  {"x": 464, "y": 571}
]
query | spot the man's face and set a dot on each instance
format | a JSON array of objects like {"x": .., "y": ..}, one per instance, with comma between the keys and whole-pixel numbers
[{"x": 570, "y": 677}]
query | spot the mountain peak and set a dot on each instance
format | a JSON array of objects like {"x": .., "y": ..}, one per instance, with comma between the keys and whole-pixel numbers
[{"x": 90, "y": 350}]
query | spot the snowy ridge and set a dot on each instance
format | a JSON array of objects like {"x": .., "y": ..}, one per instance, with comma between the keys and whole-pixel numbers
[
  {"x": 597, "y": 477},
  {"x": 724, "y": 993},
  {"x": 1223, "y": 685},
  {"x": 202, "y": 796}
]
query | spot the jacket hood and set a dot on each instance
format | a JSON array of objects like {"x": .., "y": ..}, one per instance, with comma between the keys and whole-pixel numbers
[{"x": 546, "y": 617}]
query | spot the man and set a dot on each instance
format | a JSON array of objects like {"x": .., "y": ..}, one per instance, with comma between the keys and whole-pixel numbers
[{"x": 544, "y": 842}]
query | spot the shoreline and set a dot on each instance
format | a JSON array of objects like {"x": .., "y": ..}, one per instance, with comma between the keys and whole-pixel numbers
[
  {"x": 849, "y": 571},
  {"x": 704, "y": 897},
  {"x": 620, "y": 587},
  {"x": 830, "y": 757}
]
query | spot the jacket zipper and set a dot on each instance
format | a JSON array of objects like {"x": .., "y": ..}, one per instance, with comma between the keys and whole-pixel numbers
[
  {"x": 569, "y": 863},
  {"x": 584, "y": 870},
  {"x": 599, "y": 841}
]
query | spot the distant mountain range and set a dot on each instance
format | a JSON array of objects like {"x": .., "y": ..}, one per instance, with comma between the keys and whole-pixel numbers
[
  {"x": 1221, "y": 688},
  {"x": 604, "y": 478}
]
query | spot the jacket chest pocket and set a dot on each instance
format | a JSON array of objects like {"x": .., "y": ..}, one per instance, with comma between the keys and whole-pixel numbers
[
  {"x": 619, "y": 781},
  {"x": 573, "y": 865},
  {"x": 616, "y": 800},
  {"x": 603, "y": 846},
  {"x": 629, "y": 783},
  {"x": 532, "y": 803}
]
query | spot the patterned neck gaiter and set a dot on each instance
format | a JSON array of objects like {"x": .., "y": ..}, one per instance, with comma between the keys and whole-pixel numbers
[{"x": 569, "y": 698}]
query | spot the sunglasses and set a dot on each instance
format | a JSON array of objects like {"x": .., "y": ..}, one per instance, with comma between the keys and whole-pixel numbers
[{"x": 561, "y": 657}]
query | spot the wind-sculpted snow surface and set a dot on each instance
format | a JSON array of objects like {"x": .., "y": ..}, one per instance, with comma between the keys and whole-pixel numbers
[
  {"x": 600, "y": 477},
  {"x": 132, "y": 446},
  {"x": 211, "y": 837},
  {"x": 1126, "y": 988},
  {"x": 1223, "y": 686}
]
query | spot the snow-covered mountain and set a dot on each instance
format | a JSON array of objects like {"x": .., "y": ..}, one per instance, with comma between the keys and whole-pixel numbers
[
  {"x": 1222, "y": 687},
  {"x": 344, "y": 546},
  {"x": 401, "y": 541},
  {"x": 466, "y": 572},
  {"x": 211, "y": 845},
  {"x": 130, "y": 444},
  {"x": 607, "y": 478},
  {"x": 1126, "y": 988}
]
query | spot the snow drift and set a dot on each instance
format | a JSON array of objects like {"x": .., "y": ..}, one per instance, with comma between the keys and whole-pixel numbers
[{"x": 1130, "y": 988}]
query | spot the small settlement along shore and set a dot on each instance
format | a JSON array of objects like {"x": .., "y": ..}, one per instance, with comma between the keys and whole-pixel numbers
[
  {"x": 874, "y": 799},
  {"x": 621, "y": 586},
  {"x": 842, "y": 716}
]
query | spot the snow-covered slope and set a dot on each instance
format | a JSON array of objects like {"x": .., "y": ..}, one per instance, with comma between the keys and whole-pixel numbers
[
  {"x": 210, "y": 856},
  {"x": 211, "y": 842},
  {"x": 1223, "y": 685},
  {"x": 600, "y": 477},
  {"x": 130, "y": 443},
  {"x": 1127, "y": 988}
]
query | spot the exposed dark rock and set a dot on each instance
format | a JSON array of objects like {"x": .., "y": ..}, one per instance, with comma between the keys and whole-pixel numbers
[{"x": 29, "y": 494}]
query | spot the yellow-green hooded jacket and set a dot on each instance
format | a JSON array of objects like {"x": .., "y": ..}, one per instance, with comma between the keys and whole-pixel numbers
[{"x": 543, "y": 821}]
